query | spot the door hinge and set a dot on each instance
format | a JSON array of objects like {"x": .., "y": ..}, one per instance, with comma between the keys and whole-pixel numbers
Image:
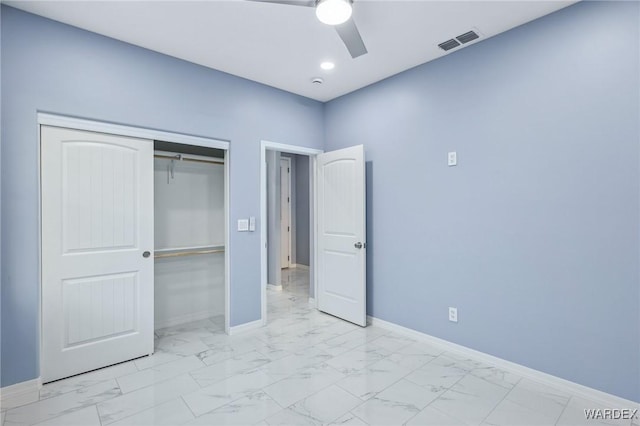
[
  {"x": 288, "y": 229},
  {"x": 288, "y": 170},
  {"x": 288, "y": 258},
  {"x": 288, "y": 200}
]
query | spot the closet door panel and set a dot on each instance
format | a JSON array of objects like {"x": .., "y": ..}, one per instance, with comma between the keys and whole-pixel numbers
[{"x": 97, "y": 288}]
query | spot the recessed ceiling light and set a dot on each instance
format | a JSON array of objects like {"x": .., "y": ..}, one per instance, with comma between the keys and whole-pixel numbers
[
  {"x": 327, "y": 66},
  {"x": 317, "y": 80}
]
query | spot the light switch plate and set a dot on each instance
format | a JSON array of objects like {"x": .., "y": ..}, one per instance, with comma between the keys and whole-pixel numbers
[
  {"x": 452, "y": 158},
  {"x": 243, "y": 225}
]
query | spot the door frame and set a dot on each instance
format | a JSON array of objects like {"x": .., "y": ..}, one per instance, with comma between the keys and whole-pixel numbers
[
  {"x": 291, "y": 149},
  {"x": 289, "y": 211},
  {"x": 48, "y": 119}
]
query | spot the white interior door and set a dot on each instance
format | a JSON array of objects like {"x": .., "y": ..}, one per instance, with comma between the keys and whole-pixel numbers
[
  {"x": 97, "y": 250},
  {"x": 341, "y": 234},
  {"x": 285, "y": 212}
]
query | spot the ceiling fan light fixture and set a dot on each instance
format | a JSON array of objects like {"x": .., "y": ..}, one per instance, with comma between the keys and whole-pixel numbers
[{"x": 333, "y": 12}]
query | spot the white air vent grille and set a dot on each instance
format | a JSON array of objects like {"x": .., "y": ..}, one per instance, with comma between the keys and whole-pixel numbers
[
  {"x": 448, "y": 45},
  {"x": 467, "y": 37},
  {"x": 458, "y": 41}
]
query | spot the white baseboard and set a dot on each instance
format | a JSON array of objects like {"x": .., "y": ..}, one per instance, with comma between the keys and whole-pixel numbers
[
  {"x": 183, "y": 319},
  {"x": 300, "y": 266},
  {"x": 274, "y": 287},
  {"x": 20, "y": 394},
  {"x": 606, "y": 399},
  {"x": 243, "y": 328}
]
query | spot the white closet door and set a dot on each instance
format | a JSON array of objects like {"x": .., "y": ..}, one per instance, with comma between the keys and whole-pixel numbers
[{"x": 97, "y": 250}]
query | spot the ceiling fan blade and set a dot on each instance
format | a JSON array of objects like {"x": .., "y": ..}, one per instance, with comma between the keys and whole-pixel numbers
[
  {"x": 305, "y": 3},
  {"x": 350, "y": 35}
]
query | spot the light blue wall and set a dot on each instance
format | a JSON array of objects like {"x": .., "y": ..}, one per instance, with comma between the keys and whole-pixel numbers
[
  {"x": 534, "y": 236},
  {"x": 47, "y": 66}
]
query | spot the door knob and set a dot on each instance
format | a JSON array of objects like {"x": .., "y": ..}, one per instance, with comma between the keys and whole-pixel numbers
[
  {"x": 358, "y": 245},
  {"x": 146, "y": 254}
]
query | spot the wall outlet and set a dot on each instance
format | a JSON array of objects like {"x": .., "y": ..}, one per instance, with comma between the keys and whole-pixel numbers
[
  {"x": 453, "y": 314},
  {"x": 452, "y": 159}
]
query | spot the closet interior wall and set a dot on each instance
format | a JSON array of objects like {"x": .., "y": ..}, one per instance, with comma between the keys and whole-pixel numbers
[{"x": 189, "y": 238}]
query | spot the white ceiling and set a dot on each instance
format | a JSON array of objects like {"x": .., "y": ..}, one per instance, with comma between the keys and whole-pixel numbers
[{"x": 282, "y": 46}]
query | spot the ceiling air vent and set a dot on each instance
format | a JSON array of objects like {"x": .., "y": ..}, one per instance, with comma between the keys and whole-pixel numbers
[
  {"x": 448, "y": 45},
  {"x": 467, "y": 37}
]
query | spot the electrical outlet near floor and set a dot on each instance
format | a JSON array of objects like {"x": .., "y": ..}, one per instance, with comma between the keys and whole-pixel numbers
[{"x": 453, "y": 314}]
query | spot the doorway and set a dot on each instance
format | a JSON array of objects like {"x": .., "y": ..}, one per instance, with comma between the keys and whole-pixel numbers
[
  {"x": 294, "y": 287},
  {"x": 287, "y": 186},
  {"x": 288, "y": 242},
  {"x": 337, "y": 224}
]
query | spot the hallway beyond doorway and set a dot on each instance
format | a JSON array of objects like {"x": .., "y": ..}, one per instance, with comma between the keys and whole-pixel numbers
[{"x": 293, "y": 297}]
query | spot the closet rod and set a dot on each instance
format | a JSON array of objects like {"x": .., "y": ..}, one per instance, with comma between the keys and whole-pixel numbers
[
  {"x": 195, "y": 160},
  {"x": 187, "y": 253}
]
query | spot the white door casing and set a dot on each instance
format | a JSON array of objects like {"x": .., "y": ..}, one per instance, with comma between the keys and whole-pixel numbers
[
  {"x": 285, "y": 212},
  {"x": 341, "y": 211},
  {"x": 97, "y": 222}
]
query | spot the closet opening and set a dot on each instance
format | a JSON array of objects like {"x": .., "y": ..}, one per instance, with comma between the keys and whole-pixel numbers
[
  {"x": 189, "y": 234},
  {"x": 133, "y": 241}
]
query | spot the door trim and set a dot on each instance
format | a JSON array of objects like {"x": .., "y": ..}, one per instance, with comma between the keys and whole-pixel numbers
[
  {"x": 49, "y": 119},
  {"x": 291, "y": 149},
  {"x": 125, "y": 130}
]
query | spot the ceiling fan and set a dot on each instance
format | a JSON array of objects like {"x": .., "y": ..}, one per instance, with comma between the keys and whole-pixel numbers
[{"x": 336, "y": 13}]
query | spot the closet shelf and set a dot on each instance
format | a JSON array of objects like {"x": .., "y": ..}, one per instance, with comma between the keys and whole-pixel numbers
[{"x": 187, "y": 251}]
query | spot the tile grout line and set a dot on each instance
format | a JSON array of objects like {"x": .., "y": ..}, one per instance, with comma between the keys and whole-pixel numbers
[
  {"x": 438, "y": 397},
  {"x": 447, "y": 414},
  {"x": 500, "y": 402},
  {"x": 188, "y": 407},
  {"x": 288, "y": 377},
  {"x": 98, "y": 414},
  {"x": 564, "y": 409},
  {"x": 358, "y": 417}
]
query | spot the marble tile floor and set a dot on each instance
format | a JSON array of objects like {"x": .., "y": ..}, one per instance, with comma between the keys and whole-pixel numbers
[{"x": 303, "y": 368}]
